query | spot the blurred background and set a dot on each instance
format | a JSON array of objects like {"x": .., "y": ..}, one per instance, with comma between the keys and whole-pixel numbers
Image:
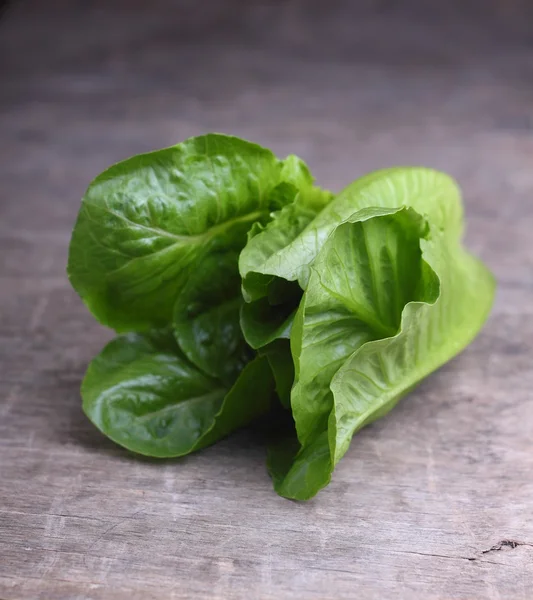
[
  {"x": 365, "y": 84},
  {"x": 349, "y": 86}
]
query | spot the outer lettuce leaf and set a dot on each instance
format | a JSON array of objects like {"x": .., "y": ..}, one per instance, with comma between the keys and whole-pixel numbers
[
  {"x": 149, "y": 222},
  {"x": 359, "y": 285},
  {"x": 142, "y": 393},
  {"x": 206, "y": 318},
  {"x": 391, "y": 296}
]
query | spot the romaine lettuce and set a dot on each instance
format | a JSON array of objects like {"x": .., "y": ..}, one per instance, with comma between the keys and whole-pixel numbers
[{"x": 240, "y": 281}]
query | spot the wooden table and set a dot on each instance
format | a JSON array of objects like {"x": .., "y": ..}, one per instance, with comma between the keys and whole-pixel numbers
[{"x": 433, "y": 502}]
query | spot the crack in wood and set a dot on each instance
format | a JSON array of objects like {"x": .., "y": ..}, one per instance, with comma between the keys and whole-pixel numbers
[{"x": 512, "y": 544}]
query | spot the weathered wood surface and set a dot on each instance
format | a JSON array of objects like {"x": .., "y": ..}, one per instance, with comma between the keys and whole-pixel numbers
[{"x": 433, "y": 502}]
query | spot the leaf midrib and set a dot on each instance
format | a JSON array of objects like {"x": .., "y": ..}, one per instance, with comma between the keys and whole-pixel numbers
[
  {"x": 361, "y": 313},
  {"x": 196, "y": 238},
  {"x": 188, "y": 401}
]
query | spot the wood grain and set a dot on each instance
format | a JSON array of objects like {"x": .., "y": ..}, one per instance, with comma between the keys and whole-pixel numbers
[{"x": 434, "y": 502}]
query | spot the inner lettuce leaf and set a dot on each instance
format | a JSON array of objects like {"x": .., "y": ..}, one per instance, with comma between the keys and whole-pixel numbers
[
  {"x": 279, "y": 357},
  {"x": 271, "y": 301},
  {"x": 144, "y": 394},
  {"x": 391, "y": 296}
]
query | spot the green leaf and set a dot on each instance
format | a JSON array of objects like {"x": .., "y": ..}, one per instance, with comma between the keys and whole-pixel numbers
[
  {"x": 298, "y": 472},
  {"x": 272, "y": 301},
  {"x": 149, "y": 222},
  {"x": 267, "y": 246},
  {"x": 249, "y": 398},
  {"x": 296, "y": 172},
  {"x": 206, "y": 318},
  {"x": 407, "y": 186},
  {"x": 265, "y": 320},
  {"x": 367, "y": 272},
  {"x": 391, "y": 296},
  {"x": 279, "y": 357},
  {"x": 142, "y": 393}
]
